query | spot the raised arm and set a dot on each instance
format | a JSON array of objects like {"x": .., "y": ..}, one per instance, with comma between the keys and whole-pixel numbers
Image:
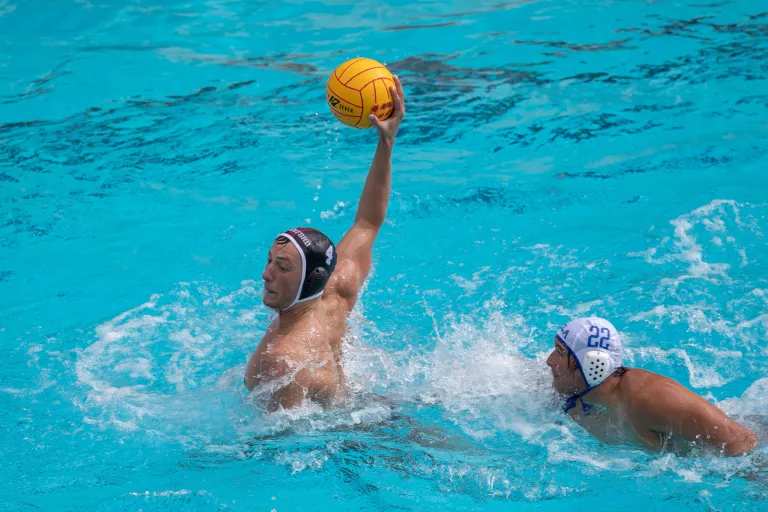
[{"x": 355, "y": 248}]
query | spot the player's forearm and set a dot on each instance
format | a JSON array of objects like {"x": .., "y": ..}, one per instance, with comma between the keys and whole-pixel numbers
[{"x": 375, "y": 197}]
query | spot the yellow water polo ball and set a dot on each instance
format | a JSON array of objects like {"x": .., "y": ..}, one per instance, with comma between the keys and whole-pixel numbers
[{"x": 357, "y": 88}]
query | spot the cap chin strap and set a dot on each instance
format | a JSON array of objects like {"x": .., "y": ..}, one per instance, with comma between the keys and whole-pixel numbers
[{"x": 303, "y": 273}]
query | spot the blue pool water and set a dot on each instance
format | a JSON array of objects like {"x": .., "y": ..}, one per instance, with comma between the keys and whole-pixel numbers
[{"x": 558, "y": 158}]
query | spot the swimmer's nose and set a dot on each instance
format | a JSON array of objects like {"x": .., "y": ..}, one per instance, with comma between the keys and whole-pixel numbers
[
  {"x": 549, "y": 360},
  {"x": 267, "y": 274}
]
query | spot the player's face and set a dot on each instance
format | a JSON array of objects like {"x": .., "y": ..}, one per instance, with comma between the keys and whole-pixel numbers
[
  {"x": 566, "y": 378},
  {"x": 282, "y": 276}
]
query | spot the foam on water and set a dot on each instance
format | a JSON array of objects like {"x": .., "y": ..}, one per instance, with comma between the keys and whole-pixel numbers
[
  {"x": 469, "y": 401},
  {"x": 476, "y": 376},
  {"x": 161, "y": 365},
  {"x": 718, "y": 221},
  {"x": 148, "y": 149}
]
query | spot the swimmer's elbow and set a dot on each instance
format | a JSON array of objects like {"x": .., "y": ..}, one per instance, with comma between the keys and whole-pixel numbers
[{"x": 743, "y": 444}]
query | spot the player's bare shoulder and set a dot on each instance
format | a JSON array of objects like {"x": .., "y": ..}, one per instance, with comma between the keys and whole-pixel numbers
[
  {"x": 640, "y": 391},
  {"x": 645, "y": 387}
]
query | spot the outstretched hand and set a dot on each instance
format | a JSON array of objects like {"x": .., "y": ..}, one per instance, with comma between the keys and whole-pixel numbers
[{"x": 388, "y": 128}]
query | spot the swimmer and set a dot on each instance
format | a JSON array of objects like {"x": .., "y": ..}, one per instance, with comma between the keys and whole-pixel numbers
[
  {"x": 313, "y": 286},
  {"x": 621, "y": 405}
]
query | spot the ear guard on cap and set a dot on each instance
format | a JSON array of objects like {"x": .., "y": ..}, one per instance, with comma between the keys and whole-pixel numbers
[
  {"x": 597, "y": 366},
  {"x": 316, "y": 279}
]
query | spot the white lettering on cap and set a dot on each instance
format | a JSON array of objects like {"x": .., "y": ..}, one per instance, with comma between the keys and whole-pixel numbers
[
  {"x": 302, "y": 237},
  {"x": 596, "y": 344}
]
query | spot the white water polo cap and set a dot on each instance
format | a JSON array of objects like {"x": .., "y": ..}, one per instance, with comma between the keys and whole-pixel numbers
[{"x": 596, "y": 346}]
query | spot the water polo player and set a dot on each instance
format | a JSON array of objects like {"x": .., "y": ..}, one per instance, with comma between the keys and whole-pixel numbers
[
  {"x": 313, "y": 285},
  {"x": 638, "y": 407}
]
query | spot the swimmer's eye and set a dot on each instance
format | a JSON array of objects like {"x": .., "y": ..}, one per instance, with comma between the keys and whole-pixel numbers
[{"x": 280, "y": 265}]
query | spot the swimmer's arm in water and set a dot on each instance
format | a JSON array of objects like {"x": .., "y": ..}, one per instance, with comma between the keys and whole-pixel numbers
[
  {"x": 355, "y": 248},
  {"x": 287, "y": 397},
  {"x": 679, "y": 412}
]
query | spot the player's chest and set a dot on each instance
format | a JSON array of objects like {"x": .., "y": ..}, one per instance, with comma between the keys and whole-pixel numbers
[{"x": 608, "y": 425}]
